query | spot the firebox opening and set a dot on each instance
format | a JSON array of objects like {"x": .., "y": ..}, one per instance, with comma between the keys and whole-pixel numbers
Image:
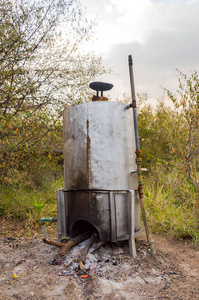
[{"x": 82, "y": 226}]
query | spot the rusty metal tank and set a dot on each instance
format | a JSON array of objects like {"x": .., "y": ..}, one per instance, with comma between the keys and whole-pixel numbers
[{"x": 100, "y": 179}]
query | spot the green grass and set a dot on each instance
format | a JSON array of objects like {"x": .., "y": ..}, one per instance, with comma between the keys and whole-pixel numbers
[
  {"x": 30, "y": 204},
  {"x": 172, "y": 205}
]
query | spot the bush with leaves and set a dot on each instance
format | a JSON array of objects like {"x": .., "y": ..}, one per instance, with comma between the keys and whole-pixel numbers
[
  {"x": 42, "y": 69},
  {"x": 169, "y": 133},
  {"x": 169, "y": 140},
  {"x": 161, "y": 132},
  {"x": 186, "y": 103}
]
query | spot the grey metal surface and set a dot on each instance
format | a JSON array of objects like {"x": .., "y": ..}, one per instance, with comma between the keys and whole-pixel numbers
[
  {"x": 131, "y": 222},
  {"x": 99, "y": 147},
  {"x": 113, "y": 217},
  {"x": 107, "y": 211},
  {"x": 100, "y": 185},
  {"x": 62, "y": 213}
]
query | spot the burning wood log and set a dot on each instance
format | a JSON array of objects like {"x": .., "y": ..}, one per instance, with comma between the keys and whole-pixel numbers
[{"x": 64, "y": 247}]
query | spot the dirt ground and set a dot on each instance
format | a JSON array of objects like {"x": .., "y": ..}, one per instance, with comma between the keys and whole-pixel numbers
[{"x": 112, "y": 274}]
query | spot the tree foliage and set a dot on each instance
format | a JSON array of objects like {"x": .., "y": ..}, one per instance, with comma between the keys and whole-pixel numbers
[
  {"x": 186, "y": 102},
  {"x": 42, "y": 69},
  {"x": 169, "y": 140},
  {"x": 169, "y": 133}
]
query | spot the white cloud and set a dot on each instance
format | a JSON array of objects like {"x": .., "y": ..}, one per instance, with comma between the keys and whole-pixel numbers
[
  {"x": 161, "y": 36},
  {"x": 120, "y": 21}
]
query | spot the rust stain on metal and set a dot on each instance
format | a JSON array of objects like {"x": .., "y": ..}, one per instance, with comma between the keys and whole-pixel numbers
[
  {"x": 98, "y": 98},
  {"x": 88, "y": 154}
]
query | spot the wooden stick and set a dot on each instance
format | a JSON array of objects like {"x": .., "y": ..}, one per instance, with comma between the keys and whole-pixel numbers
[
  {"x": 64, "y": 247},
  {"x": 98, "y": 246},
  {"x": 85, "y": 251}
]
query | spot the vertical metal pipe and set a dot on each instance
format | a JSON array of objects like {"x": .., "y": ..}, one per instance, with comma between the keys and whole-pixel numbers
[
  {"x": 134, "y": 102},
  {"x": 44, "y": 231},
  {"x": 138, "y": 156},
  {"x": 131, "y": 222}
]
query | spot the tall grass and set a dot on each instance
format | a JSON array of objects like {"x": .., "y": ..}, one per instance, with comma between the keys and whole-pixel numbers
[
  {"x": 30, "y": 204},
  {"x": 171, "y": 203}
]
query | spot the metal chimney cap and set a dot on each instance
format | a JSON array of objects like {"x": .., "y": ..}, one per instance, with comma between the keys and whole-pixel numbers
[{"x": 100, "y": 86}]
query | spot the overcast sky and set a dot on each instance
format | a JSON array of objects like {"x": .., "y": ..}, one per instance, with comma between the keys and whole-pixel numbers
[{"x": 160, "y": 35}]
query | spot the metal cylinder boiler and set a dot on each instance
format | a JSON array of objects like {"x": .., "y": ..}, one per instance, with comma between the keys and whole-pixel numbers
[{"x": 100, "y": 179}]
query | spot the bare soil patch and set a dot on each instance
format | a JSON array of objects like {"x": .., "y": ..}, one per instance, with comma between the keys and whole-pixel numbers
[{"x": 173, "y": 273}]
